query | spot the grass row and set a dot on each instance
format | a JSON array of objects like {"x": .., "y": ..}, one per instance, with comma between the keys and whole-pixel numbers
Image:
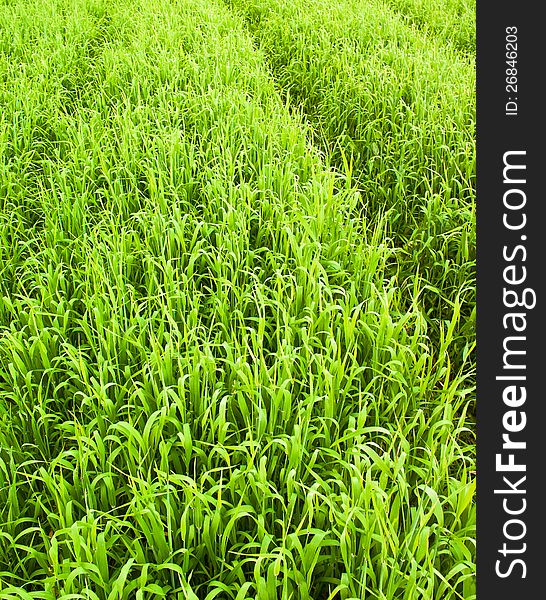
[
  {"x": 394, "y": 110},
  {"x": 453, "y": 21},
  {"x": 211, "y": 382}
]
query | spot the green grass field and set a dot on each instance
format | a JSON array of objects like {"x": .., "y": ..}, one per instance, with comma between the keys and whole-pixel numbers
[{"x": 237, "y": 299}]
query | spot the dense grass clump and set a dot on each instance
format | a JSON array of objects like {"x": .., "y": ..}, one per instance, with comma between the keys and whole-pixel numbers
[
  {"x": 394, "y": 110},
  {"x": 452, "y": 21},
  {"x": 218, "y": 375}
]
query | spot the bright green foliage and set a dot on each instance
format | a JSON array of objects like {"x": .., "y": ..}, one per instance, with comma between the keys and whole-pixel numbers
[
  {"x": 452, "y": 21},
  {"x": 394, "y": 110},
  {"x": 226, "y": 371}
]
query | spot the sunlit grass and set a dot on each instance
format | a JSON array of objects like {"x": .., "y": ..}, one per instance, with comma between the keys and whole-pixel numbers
[
  {"x": 393, "y": 109},
  {"x": 220, "y": 371},
  {"x": 452, "y": 21}
]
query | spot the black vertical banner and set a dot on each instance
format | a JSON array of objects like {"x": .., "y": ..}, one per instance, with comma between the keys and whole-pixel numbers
[{"x": 511, "y": 244}]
